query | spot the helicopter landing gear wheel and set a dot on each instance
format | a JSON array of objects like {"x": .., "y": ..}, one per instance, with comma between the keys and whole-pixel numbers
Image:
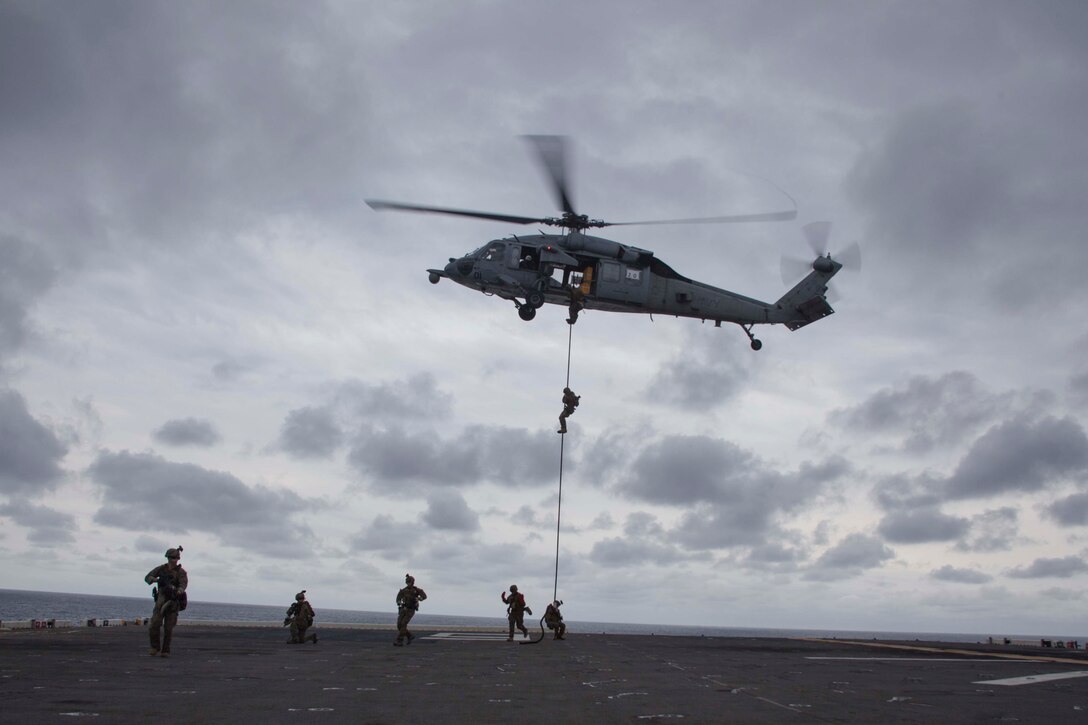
[
  {"x": 526, "y": 312},
  {"x": 756, "y": 344},
  {"x": 535, "y": 299},
  {"x": 434, "y": 278}
]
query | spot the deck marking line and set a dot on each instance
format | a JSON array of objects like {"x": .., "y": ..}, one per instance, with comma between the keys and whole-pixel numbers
[
  {"x": 1032, "y": 679},
  {"x": 935, "y": 660},
  {"x": 941, "y": 650}
]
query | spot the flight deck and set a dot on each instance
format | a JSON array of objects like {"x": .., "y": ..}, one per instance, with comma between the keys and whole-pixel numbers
[{"x": 249, "y": 674}]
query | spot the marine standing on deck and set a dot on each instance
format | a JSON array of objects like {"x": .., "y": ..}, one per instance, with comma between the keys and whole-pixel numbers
[
  {"x": 553, "y": 618},
  {"x": 170, "y": 598},
  {"x": 516, "y": 609},
  {"x": 570, "y": 402},
  {"x": 408, "y": 600},
  {"x": 300, "y": 616}
]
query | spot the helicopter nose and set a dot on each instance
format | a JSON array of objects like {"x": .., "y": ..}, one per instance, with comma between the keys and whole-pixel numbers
[{"x": 460, "y": 267}]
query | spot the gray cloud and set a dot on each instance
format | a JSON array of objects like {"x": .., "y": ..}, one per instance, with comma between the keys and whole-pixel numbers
[
  {"x": 1065, "y": 566},
  {"x": 389, "y": 537},
  {"x": 227, "y": 371},
  {"x": 401, "y": 461},
  {"x": 319, "y": 431},
  {"x": 643, "y": 542},
  {"x": 222, "y": 107},
  {"x": 448, "y": 511},
  {"x": 1021, "y": 456},
  {"x": 994, "y": 530},
  {"x": 48, "y": 527},
  {"x": 922, "y": 526},
  {"x": 144, "y": 491},
  {"x": 188, "y": 432},
  {"x": 1069, "y": 511},
  {"x": 934, "y": 180},
  {"x": 534, "y": 517},
  {"x": 310, "y": 433},
  {"x": 690, "y": 469},
  {"x": 927, "y": 411},
  {"x": 1078, "y": 387},
  {"x": 1063, "y": 595},
  {"x": 30, "y": 453},
  {"x": 775, "y": 556},
  {"x": 26, "y": 273},
  {"x": 150, "y": 544},
  {"x": 950, "y": 573},
  {"x": 898, "y": 492},
  {"x": 416, "y": 398},
  {"x": 621, "y": 552},
  {"x": 709, "y": 370},
  {"x": 850, "y": 557},
  {"x": 736, "y": 496}
]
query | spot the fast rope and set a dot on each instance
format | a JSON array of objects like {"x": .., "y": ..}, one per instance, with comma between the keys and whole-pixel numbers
[{"x": 559, "y": 508}]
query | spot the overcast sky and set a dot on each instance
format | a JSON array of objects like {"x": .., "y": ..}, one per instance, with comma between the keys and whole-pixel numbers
[{"x": 208, "y": 339}]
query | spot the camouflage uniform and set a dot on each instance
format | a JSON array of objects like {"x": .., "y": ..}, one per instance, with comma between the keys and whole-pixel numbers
[
  {"x": 301, "y": 617},
  {"x": 516, "y": 609},
  {"x": 577, "y": 304},
  {"x": 553, "y": 619},
  {"x": 408, "y": 600},
  {"x": 168, "y": 601},
  {"x": 570, "y": 402}
]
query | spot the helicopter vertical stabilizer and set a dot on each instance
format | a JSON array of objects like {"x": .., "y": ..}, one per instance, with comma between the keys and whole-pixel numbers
[{"x": 805, "y": 303}]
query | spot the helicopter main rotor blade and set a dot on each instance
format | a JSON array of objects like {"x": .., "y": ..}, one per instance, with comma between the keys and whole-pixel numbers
[
  {"x": 551, "y": 151},
  {"x": 775, "y": 216},
  {"x": 379, "y": 205}
]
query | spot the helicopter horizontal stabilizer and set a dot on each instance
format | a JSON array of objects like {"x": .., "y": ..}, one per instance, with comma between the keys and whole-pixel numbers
[{"x": 814, "y": 309}]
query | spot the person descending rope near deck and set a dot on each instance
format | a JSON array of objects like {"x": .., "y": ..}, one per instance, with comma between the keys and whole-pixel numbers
[
  {"x": 570, "y": 402},
  {"x": 553, "y": 619}
]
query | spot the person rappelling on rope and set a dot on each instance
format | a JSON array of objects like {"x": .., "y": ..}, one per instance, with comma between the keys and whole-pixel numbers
[
  {"x": 570, "y": 402},
  {"x": 577, "y": 304}
]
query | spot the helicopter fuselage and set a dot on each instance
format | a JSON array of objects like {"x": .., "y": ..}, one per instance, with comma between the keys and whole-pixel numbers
[{"x": 602, "y": 274}]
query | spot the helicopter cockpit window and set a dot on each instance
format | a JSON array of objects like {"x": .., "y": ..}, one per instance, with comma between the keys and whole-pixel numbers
[{"x": 494, "y": 251}]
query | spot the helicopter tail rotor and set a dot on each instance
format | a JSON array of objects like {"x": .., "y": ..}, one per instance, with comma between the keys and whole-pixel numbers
[{"x": 817, "y": 235}]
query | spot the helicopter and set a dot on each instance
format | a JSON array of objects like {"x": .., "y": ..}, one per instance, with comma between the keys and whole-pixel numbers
[{"x": 582, "y": 271}]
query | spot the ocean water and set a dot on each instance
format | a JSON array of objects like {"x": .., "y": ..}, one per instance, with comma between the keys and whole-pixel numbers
[{"x": 19, "y": 605}]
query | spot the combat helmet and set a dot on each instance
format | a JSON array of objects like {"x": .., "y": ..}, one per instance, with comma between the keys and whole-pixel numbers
[{"x": 174, "y": 553}]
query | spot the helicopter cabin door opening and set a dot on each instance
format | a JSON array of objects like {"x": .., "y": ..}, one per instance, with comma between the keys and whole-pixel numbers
[
  {"x": 618, "y": 281},
  {"x": 523, "y": 256}
]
